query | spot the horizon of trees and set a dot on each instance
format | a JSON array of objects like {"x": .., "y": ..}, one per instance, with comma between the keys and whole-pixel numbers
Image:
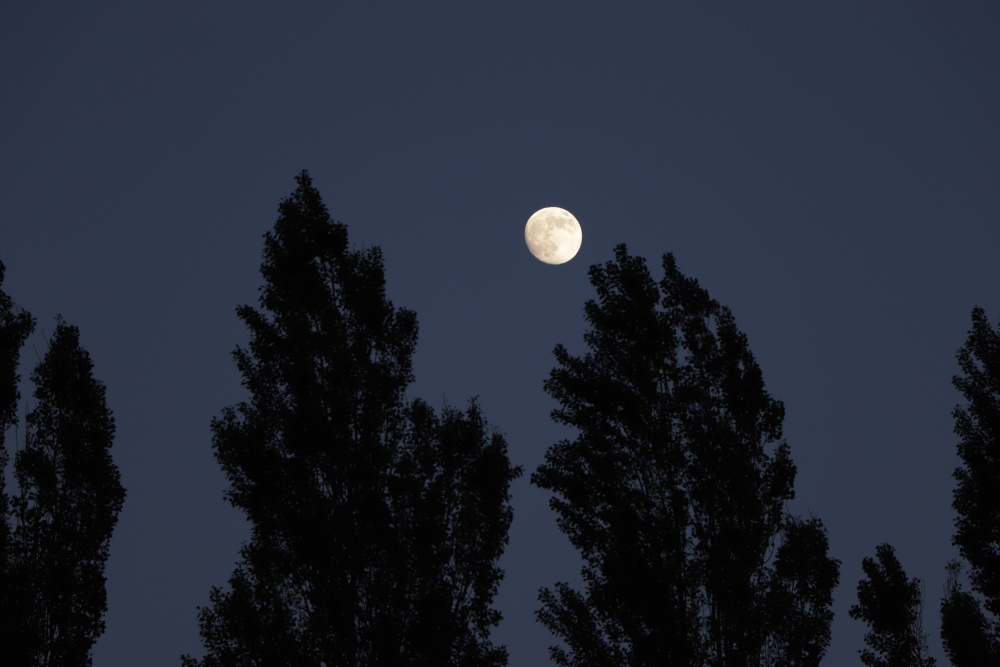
[{"x": 378, "y": 523}]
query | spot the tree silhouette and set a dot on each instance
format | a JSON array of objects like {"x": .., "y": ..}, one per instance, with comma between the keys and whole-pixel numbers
[
  {"x": 669, "y": 491},
  {"x": 15, "y": 327},
  {"x": 452, "y": 503},
  {"x": 66, "y": 509},
  {"x": 970, "y": 640},
  {"x": 376, "y": 524},
  {"x": 892, "y": 606},
  {"x": 969, "y": 626}
]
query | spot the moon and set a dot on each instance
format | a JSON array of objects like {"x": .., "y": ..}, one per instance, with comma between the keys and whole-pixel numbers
[{"x": 553, "y": 235}]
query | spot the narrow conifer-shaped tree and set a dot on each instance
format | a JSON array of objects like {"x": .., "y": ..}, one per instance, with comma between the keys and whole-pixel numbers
[
  {"x": 891, "y": 605},
  {"x": 376, "y": 524},
  {"x": 969, "y": 619},
  {"x": 674, "y": 490},
  {"x": 69, "y": 498}
]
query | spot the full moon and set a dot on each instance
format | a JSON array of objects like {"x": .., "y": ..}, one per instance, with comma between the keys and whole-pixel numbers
[{"x": 553, "y": 235}]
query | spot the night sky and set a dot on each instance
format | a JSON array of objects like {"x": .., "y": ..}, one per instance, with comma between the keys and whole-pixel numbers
[{"x": 830, "y": 171}]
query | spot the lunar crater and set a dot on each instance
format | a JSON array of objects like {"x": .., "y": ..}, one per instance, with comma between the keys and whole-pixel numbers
[{"x": 553, "y": 235}]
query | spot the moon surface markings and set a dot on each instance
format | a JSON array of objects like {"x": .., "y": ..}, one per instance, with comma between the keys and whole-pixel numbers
[{"x": 553, "y": 235}]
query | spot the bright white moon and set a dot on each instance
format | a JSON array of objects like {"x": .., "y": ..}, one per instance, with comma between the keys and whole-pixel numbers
[{"x": 553, "y": 235}]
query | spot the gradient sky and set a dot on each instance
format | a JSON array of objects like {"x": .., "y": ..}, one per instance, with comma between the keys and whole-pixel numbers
[{"x": 830, "y": 171}]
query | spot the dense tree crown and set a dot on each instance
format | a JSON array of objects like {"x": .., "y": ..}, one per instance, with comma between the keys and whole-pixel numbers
[
  {"x": 892, "y": 607},
  {"x": 674, "y": 490},
  {"x": 376, "y": 523},
  {"x": 969, "y": 620},
  {"x": 57, "y": 528}
]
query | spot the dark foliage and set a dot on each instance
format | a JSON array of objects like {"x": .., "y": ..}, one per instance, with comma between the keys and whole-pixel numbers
[
  {"x": 970, "y": 629},
  {"x": 15, "y": 327},
  {"x": 376, "y": 524},
  {"x": 892, "y": 607},
  {"x": 969, "y": 638},
  {"x": 674, "y": 490},
  {"x": 67, "y": 507}
]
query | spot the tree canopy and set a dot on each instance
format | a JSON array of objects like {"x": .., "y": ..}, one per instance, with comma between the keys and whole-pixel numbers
[
  {"x": 674, "y": 489},
  {"x": 53, "y": 594},
  {"x": 376, "y": 523},
  {"x": 969, "y": 619},
  {"x": 892, "y": 606}
]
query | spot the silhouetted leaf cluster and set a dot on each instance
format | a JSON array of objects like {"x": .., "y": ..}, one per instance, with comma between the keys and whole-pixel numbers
[
  {"x": 16, "y": 325},
  {"x": 376, "y": 523},
  {"x": 892, "y": 606},
  {"x": 674, "y": 489},
  {"x": 52, "y": 592},
  {"x": 969, "y": 622}
]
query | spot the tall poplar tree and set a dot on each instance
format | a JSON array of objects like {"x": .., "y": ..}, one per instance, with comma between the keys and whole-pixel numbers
[
  {"x": 891, "y": 604},
  {"x": 376, "y": 524},
  {"x": 69, "y": 498},
  {"x": 674, "y": 490},
  {"x": 15, "y": 327},
  {"x": 969, "y": 619}
]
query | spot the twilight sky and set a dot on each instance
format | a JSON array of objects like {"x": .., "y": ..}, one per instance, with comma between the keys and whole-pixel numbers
[{"x": 830, "y": 171}]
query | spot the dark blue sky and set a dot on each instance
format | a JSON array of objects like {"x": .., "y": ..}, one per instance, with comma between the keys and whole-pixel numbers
[{"x": 830, "y": 171}]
